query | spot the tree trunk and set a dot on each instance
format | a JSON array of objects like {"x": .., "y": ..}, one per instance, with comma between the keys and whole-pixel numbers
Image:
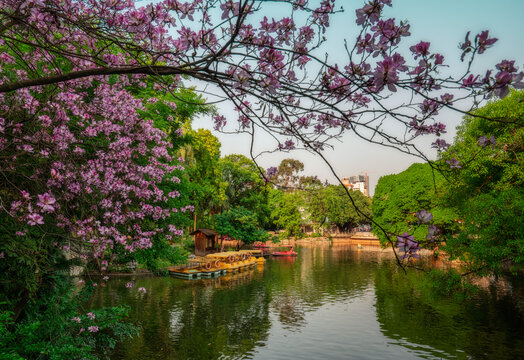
[{"x": 19, "y": 308}]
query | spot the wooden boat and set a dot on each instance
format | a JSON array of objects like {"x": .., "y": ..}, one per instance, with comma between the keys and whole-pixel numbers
[
  {"x": 260, "y": 246},
  {"x": 289, "y": 252},
  {"x": 216, "y": 264}
]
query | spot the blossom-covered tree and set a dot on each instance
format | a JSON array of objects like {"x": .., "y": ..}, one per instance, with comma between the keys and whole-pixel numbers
[{"x": 83, "y": 171}]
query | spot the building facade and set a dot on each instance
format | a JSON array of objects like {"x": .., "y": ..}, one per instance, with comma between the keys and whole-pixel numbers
[{"x": 357, "y": 182}]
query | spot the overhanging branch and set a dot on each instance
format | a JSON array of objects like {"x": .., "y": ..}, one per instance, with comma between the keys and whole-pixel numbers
[{"x": 54, "y": 79}]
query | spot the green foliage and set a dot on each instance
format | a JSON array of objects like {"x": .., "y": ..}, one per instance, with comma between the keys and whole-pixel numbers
[
  {"x": 26, "y": 262},
  {"x": 492, "y": 232},
  {"x": 398, "y": 197},
  {"x": 275, "y": 239},
  {"x": 332, "y": 205},
  {"x": 288, "y": 173},
  {"x": 286, "y": 212},
  {"x": 488, "y": 191},
  {"x": 244, "y": 187},
  {"x": 240, "y": 224},
  {"x": 493, "y": 167},
  {"x": 186, "y": 104},
  {"x": 203, "y": 178},
  {"x": 161, "y": 254},
  {"x": 47, "y": 329}
]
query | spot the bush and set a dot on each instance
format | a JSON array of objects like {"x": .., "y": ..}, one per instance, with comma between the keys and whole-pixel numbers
[{"x": 55, "y": 326}]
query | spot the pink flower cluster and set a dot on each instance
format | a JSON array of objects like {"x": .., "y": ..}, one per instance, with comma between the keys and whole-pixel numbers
[{"x": 100, "y": 166}]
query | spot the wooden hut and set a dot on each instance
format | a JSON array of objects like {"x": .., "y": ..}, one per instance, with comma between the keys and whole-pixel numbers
[{"x": 205, "y": 241}]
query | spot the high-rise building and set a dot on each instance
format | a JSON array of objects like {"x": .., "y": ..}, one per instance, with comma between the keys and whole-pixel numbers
[{"x": 357, "y": 182}]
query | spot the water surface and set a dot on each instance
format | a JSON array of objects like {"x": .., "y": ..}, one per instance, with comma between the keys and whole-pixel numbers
[{"x": 328, "y": 303}]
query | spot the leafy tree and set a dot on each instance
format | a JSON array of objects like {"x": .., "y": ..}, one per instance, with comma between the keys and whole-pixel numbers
[
  {"x": 309, "y": 182},
  {"x": 288, "y": 171},
  {"x": 204, "y": 182},
  {"x": 95, "y": 179},
  {"x": 399, "y": 197},
  {"x": 244, "y": 186},
  {"x": 488, "y": 187},
  {"x": 287, "y": 211},
  {"x": 331, "y": 205},
  {"x": 240, "y": 224}
]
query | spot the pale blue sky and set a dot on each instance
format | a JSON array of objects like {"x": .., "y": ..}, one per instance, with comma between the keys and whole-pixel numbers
[{"x": 444, "y": 23}]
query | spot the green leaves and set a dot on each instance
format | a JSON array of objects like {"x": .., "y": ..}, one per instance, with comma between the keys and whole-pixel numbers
[
  {"x": 333, "y": 205},
  {"x": 398, "y": 197},
  {"x": 56, "y": 326},
  {"x": 244, "y": 187},
  {"x": 286, "y": 211},
  {"x": 240, "y": 224},
  {"x": 488, "y": 190}
]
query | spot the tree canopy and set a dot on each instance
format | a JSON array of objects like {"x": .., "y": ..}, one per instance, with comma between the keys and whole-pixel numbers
[
  {"x": 488, "y": 188},
  {"x": 244, "y": 186},
  {"x": 399, "y": 197},
  {"x": 240, "y": 224},
  {"x": 331, "y": 205},
  {"x": 470, "y": 202}
]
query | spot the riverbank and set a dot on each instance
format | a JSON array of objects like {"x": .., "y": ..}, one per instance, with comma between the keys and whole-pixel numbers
[{"x": 359, "y": 238}]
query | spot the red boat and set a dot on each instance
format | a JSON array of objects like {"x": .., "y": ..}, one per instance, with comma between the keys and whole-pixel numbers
[
  {"x": 289, "y": 252},
  {"x": 260, "y": 246}
]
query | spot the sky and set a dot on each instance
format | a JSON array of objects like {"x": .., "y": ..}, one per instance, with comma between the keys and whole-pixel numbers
[{"x": 444, "y": 24}]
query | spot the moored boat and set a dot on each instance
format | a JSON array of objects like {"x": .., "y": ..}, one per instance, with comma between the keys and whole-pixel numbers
[
  {"x": 288, "y": 252},
  {"x": 261, "y": 246}
]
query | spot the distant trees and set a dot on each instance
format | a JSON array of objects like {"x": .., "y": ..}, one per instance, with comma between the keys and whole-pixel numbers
[
  {"x": 331, "y": 205},
  {"x": 288, "y": 171},
  {"x": 240, "y": 224},
  {"x": 300, "y": 201}
]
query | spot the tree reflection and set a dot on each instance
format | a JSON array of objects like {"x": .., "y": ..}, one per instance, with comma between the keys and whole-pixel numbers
[
  {"x": 322, "y": 276},
  {"x": 217, "y": 318},
  {"x": 231, "y": 316},
  {"x": 483, "y": 327}
]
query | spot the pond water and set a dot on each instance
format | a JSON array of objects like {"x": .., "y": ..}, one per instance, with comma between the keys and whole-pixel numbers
[{"x": 328, "y": 303}]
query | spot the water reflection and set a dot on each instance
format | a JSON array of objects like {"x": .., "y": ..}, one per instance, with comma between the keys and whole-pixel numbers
[
  {"x": 488, "y": 326},
  {"x": 329, "y": 302}
]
